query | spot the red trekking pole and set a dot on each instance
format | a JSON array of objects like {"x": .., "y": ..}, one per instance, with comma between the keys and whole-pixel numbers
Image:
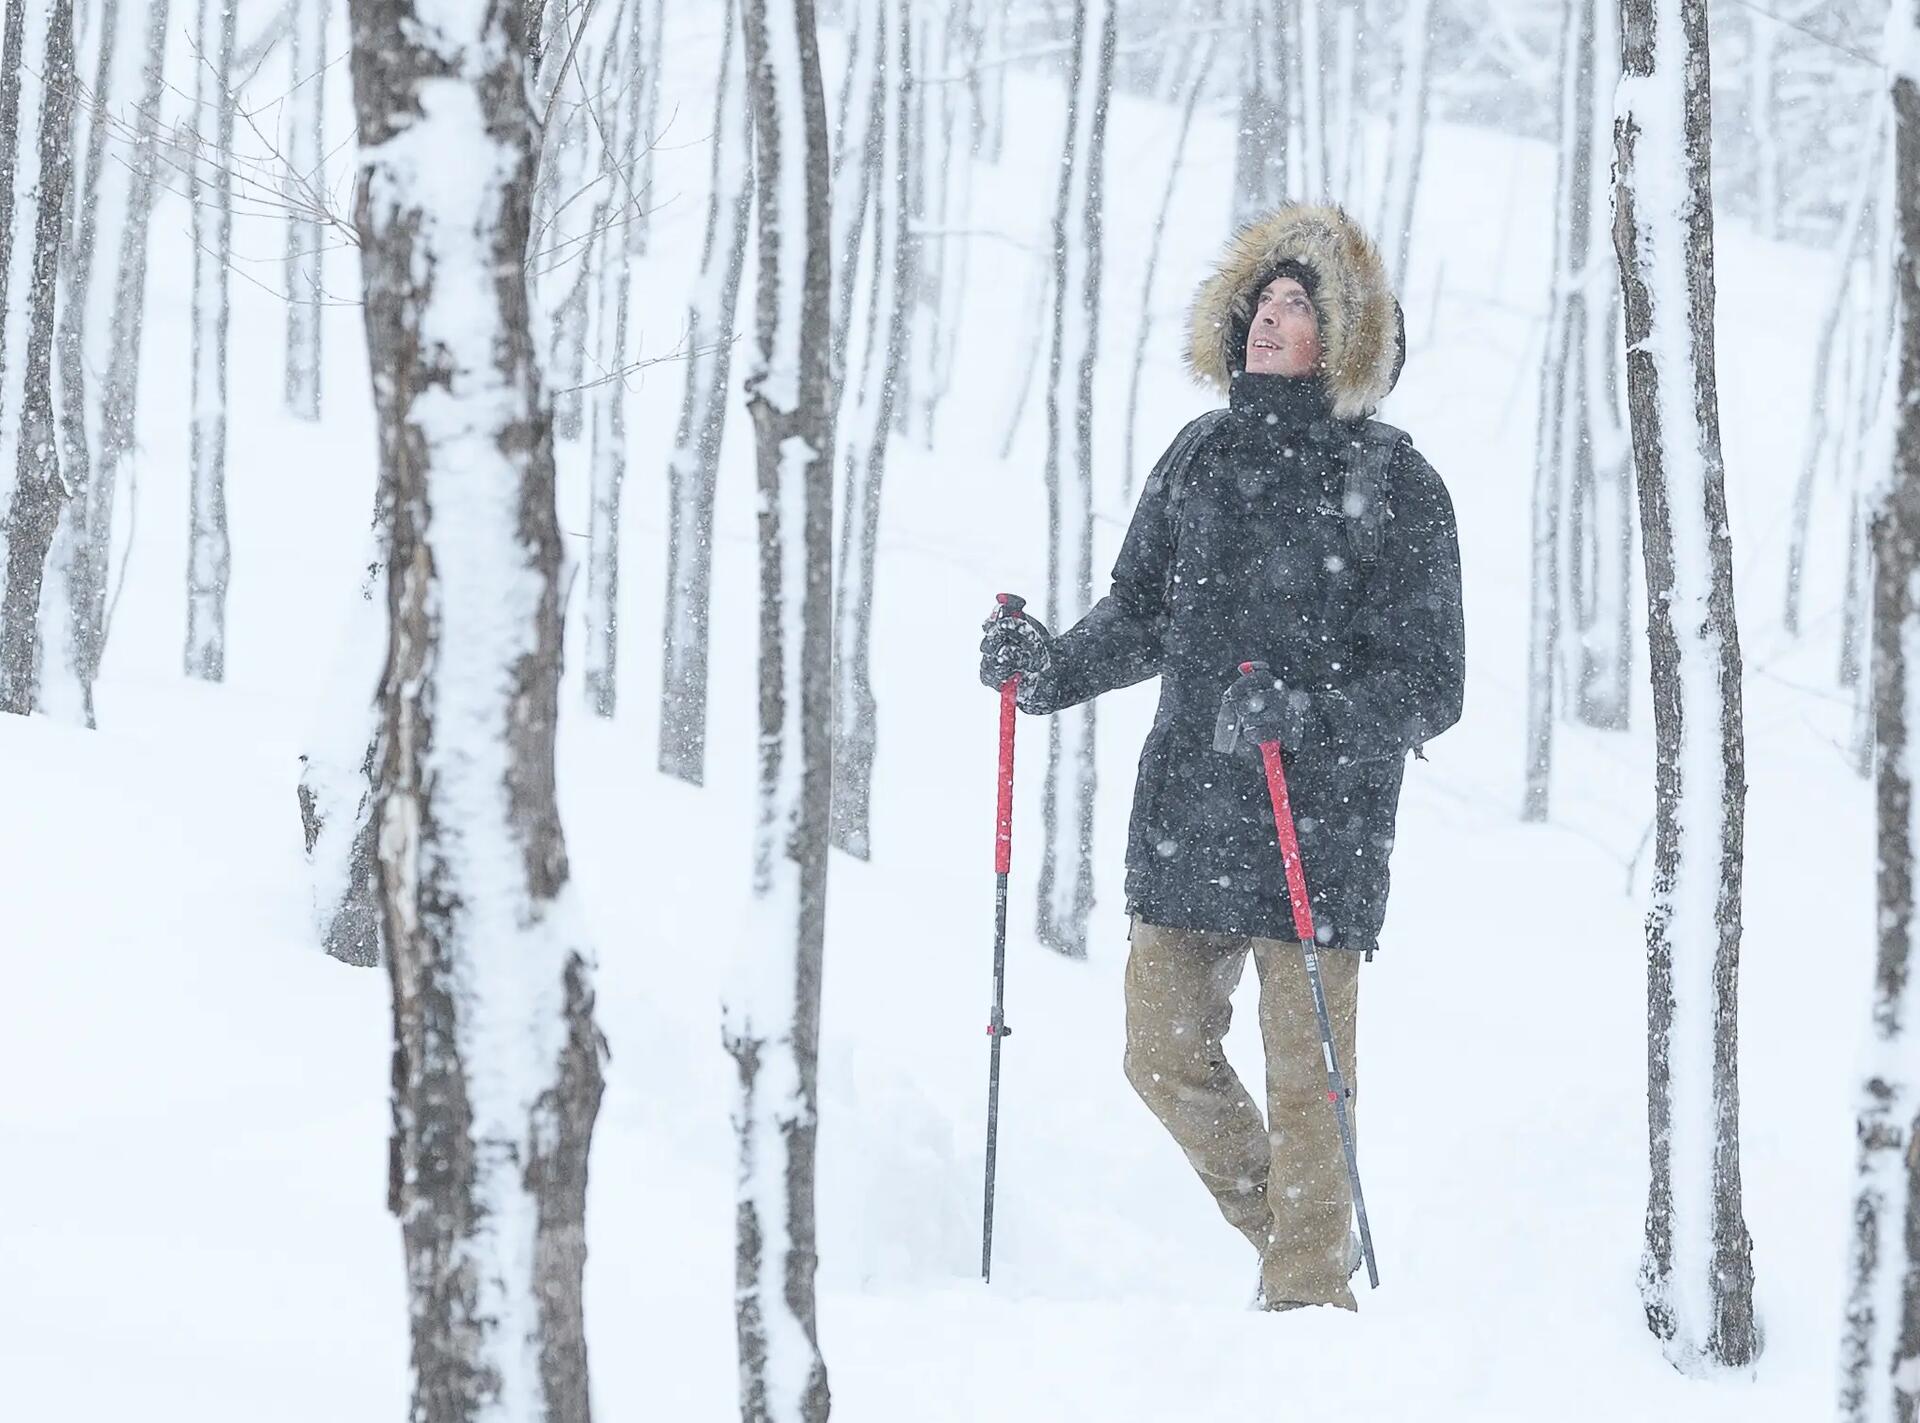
[
  {"x": 1303, "y": 927},
  {"x": 1010, "y": 607}
]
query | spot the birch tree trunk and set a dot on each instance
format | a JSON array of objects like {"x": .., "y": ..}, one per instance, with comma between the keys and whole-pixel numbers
[
  {"x": 1562, "y": 445},
  {"x": 95, "y": 213},
  {"x": 36, "y": 98},
  {"x": 1066, "y": 863},
  {"x": 496, "y": 1057},
  {"x": 772, "y": 1014},
  {"x": 1261, "y": 150},
  {"x": 1196, "y": 81},
  {"x": 1880, "y": 1339},
  {"x": 695, "y": 462},
  {"x": 209, "y": 556},
  {"x": 607, "y": 397},
  {"x": 644, "y": 75},
  {"x": 1408, "y": 143},
  {"x": 863, "y": 439},
  {"x": 306, "y": 153},
  {"x": 1601, "y": 498},
  {"x": 1697, "y": 1273},
  {"x": 123, "y": 334}
]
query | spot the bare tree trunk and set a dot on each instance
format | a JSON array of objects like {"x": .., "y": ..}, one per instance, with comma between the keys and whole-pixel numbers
[
  {"x": 863, "y": 440},
  {"x": 1311, "y": 60},
  {"x": 306, "y": 153},
  {"x": 64, "y": 689},
  {"x": 855, "y": 162},
  {"x": 1697, "y": 1272},
  {"x": 607, "y": 398},
  {"x": 1261, "y": 150},
  {"x": 1409, "y": 140},
  {"x": 496, "y": 1068},
  {"x": 1201, "y": 66},
  {"x": 1861, "y": 211},
  {"x": 695, "y": 461},
  {"x": 1601, "y": 500},
  {"x": 772, "y": 1026},
  {"x": 36, "y": 151},
  {"x": 209, "y": 558},
  {"x": 1880, "y": 1341},
  {"x": 1066, "y": 864},
  {"x": 1562, "y": 455},
  {"x": 119, "y": 391},
  {"x": 645, "y": 72}
]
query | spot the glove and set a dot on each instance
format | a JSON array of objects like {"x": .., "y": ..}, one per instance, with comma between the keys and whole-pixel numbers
[
  {"x": 1258, "y": 708},
  {"x": 1016, "y": 645}
]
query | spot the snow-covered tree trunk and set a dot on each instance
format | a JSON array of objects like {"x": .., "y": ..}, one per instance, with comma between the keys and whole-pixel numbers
[
  {"x": 1066, "y": 862},
  {"x": 563, "y": 230},
  {"x": 1697, "y": 1272},
  {"x": 1261, "y": 150},
  {"x": 1830, "y": 385},
  {"x": 643, "y": 77},
  {"x": 1880, "y": 1340},
  {"x": 95, "y": 214},
  {"x": 862, "y": 437},
  {"x": 772, "y": 1011},
  {"x": 496, "y": 1057},
  {"x": 121, "y": 338},
  {"x": 1200, "y": 65},
  {"x": 607, "y": 397},
  {"x": 306, "y": 153},
  {"x": 1310, "y": 57},
  {"x": 1408, "y": 139},
  {"x": 209, "y": 557},
  {"x": 855, "y": 164},
  {"x": 36, "y": 163},
  {"x": 1562, "y": 444},
  {"x": 1346, "y": 147},
  {"x": 1600, "y": 498},
  {"x": 695, "y": 461}
]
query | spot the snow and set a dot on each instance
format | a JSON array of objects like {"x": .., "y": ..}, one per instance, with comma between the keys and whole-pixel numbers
[{"x": 194, "y": 1133}]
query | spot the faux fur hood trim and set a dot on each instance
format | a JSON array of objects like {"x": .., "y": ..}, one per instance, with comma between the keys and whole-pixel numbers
[{"x": 1361, "y": 336}]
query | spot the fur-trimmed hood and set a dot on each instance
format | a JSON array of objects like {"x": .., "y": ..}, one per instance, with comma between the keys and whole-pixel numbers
[{"x": 1362, "y": 337}]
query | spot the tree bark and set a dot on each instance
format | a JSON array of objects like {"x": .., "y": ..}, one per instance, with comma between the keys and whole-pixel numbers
[
  {"x": 209, "y": 556},
  {"x": 1880, "y": 1340},
  {"x": 772, "y": 1023},
  {"x": 496, "y": 1072},
  {"x": 694, "y": 465},
  {"x": 1261, "y": 150},
  {"x": 306, "y": 154},
  {"x": 95, "y": 212},
  {"x": 119, "y": 391},
  {"x": 863, "y": 440},
  {"x": 1408, "y": 144},
  {"x": 36, "y": 151},
  {"x": 607, "y": 396},
  {"x": 1697, "y": 1271},
  {"x": 1066, "y": 863}
]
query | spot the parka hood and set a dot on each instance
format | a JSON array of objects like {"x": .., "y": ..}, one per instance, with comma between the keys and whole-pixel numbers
[{"x": 1362, "y": 337}]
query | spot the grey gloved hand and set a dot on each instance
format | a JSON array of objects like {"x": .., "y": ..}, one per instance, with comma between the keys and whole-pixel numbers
[
  {"x": 1259, "y": 708},
  {"x": 1016, "y": 644}
]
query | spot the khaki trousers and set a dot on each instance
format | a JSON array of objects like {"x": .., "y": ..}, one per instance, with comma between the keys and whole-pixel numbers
[{"x": 1281, "y": 1181}]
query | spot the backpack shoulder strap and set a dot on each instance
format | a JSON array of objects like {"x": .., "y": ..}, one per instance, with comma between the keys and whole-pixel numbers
[
  {"x": 1178, "y": 459},
  {"x": 1366, "y": 499}
]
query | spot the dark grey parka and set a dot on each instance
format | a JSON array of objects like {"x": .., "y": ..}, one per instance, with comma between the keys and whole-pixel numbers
[{"x": 1247, "y": 545}]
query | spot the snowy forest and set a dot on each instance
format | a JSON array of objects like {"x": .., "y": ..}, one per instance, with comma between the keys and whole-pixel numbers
[{"x": 508, "y": 506}]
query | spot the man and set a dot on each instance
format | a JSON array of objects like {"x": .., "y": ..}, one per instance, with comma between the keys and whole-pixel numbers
[{"x": 1292, "y": 530}]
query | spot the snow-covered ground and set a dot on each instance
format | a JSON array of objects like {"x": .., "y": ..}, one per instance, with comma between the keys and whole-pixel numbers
[{"x": 193, "y": 1121}]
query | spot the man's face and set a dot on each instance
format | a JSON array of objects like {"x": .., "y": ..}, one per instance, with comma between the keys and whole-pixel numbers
[{"x": 1284, "y": 339}]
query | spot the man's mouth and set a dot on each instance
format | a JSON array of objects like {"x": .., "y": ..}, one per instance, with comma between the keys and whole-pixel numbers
[{"x": 1265, "y": 346}]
